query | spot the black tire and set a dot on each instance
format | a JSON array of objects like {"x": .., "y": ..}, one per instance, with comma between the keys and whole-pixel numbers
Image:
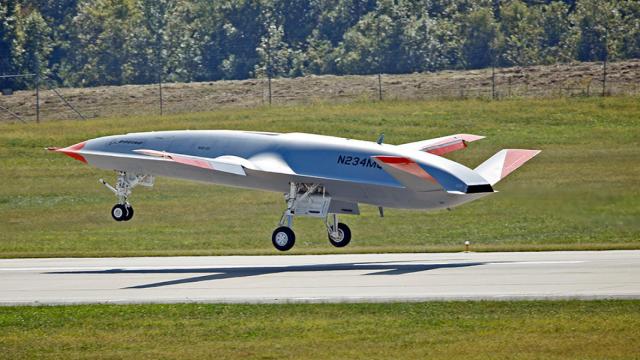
[
  {"x": 283, "y": 238},
  {"x": 345, "y": 239},
  {"x": 129, "y": 215},
  {"x": 119, "y": 212}
]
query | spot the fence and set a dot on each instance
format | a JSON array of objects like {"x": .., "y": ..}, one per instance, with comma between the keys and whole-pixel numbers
[{"x": 577, "y": 79}]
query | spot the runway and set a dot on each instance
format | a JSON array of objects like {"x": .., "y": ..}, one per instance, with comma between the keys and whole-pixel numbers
[{"x": 322, "y": 278}]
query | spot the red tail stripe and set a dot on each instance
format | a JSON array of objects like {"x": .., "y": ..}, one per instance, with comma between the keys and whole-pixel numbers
[{"x": 406, "y": 165}]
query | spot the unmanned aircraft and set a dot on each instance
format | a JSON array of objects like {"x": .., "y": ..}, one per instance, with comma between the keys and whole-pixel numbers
[{"x": 320, "y": 176}]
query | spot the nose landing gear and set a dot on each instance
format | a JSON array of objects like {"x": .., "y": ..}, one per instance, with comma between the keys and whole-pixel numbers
[{"x": 123, "y": 211}]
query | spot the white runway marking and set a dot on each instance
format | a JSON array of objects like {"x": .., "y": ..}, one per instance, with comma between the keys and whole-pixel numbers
[
  {"x": 537, "y": 262},
  {"x": 322, "y": 278}
]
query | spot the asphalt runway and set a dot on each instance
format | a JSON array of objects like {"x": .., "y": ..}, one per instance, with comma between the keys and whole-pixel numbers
[{"x": 322, "y": 278}]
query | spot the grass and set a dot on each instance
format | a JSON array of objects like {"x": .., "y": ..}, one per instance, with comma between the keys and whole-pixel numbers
[
  {"x": 434, "y": 330},
  {"x": 581, "y": 192}
]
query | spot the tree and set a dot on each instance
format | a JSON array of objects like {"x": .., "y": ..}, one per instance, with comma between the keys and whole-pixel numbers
[
  {"x": 231, "y": 52},
  {"x": 274, "y": 53},
  {"x": 630, "y": 18},
  {"x": 112, "y": 42},
  {"x": 36, "y": 44},
  {"x": 481, "y": 39},
  {"x": 101, "y": 44},
  {"x": 58, "y": 15},
  {"x": 558, "y": 36},
  {"x": 600, "y": 30},
  {"x": 521, "y": 36},
  {"x": 148, "y": 52},
  {"x": 429, "y": 44},
  {"x": 10, "y": 51}
]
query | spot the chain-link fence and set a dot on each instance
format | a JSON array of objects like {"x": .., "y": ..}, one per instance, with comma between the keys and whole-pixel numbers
[{"x": 563, "y": 80}]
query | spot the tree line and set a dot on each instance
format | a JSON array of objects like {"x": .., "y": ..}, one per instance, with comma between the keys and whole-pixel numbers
[{"x": 114, "y": 42}]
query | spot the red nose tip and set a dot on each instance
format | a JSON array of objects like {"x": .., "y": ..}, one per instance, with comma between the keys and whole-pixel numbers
[{"x": 71, "y": 151}]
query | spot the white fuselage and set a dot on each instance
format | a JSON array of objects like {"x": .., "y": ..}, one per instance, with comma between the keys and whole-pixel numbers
[{"x": 344, "y": 167}]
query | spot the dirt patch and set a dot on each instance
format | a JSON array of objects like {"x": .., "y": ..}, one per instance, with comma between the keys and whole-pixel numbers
[{"x": 573, "y": 79}]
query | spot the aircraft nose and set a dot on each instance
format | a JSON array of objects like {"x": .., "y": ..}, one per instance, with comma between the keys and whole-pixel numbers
[{"x": 72, "y": 151}]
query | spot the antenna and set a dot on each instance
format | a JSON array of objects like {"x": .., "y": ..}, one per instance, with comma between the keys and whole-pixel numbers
[{"x": 380, "y": 139}]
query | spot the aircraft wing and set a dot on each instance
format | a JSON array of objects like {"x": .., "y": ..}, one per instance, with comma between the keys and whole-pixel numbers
[
  {"x": 266, "y": 162},
  {"x": 228, "y": 164},
  {"x": 442, "y": 145}
]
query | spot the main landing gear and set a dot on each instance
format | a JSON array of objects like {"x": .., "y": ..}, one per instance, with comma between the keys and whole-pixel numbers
[
  {"x": 123, "y": 211},
  {"x": 308, "y": 200}
]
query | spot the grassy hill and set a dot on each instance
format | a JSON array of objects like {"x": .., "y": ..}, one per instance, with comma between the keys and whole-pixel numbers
[
  {"x": 551, "y": 81},
  {"x": 580, "y": 193}
]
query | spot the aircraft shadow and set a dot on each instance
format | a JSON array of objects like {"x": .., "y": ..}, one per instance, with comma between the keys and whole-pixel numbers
[{"x": 220, "y": 273}]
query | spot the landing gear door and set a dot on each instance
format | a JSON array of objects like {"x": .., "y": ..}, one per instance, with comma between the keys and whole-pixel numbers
[{"x": 344, "y": 207}]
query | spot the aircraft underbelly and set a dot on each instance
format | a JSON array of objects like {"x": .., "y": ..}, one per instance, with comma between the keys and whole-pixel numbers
[{"x": 378, "y": 195}]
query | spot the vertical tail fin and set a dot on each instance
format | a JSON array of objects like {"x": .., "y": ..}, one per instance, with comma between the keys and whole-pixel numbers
[{"x": 503, "y": 163}]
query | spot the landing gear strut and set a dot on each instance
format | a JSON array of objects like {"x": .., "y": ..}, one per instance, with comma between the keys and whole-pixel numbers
[
  {"x": 308, "y": 200},
  {"x": 123, "y": 211}
]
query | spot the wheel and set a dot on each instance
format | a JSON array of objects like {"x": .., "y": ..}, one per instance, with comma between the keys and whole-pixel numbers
[
  {"x": 129, "y": 215},
  {"x": 343, "y": 238},
  {"x": 119, "y": 212},
  {"x": 283, "y": 238}
]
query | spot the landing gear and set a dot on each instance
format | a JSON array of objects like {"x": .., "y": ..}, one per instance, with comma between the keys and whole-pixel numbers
[
  {"x": 341, "y": 237},
  {"x": 308, "y": 200},
  {"x": 119, "y": 212},
  {"x": 129, "y": 212},
  {"x": 123, "y": 211},
  {"x": 283, "y": 238}
]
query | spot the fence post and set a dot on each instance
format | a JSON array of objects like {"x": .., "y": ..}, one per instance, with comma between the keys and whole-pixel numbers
[
  {"x": 604, "y": 76},
  {"x": 160, "y": 86},
  {"x": 269, "y": 85},
  {"x": 493, "y": 81},
  {"x": 379, "y": 86},
  {"x": 269, "y": 64},
  {"x": 38, "y": 96}
]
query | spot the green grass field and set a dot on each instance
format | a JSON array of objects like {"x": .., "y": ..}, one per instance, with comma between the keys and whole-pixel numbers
[
  {"x": 581, "y": 193},
  {"x": 436, "y": 330}
]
